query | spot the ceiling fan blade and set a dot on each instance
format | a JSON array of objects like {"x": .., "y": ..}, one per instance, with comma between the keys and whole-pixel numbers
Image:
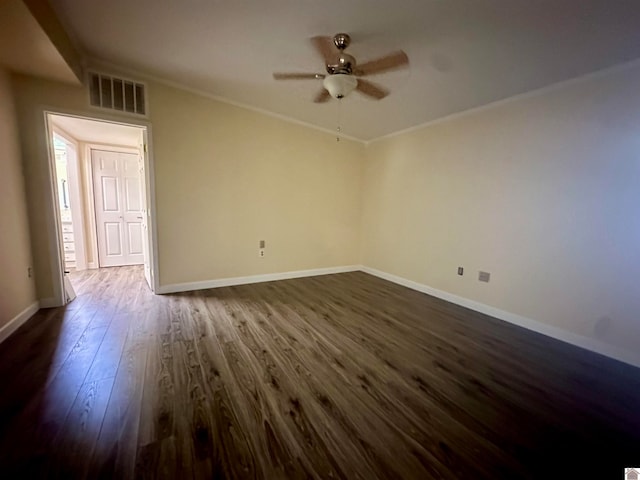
[
  {"x": 392, "y": 61},
  {"x": 371, "y": 89},
  {"x": 326, "y": 49},
  {"x": 297, "y": 76},
  {"x": 322, "y": 96}
]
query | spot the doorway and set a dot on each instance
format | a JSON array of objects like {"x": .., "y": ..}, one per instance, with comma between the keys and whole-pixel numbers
[{"x": 102, "y": 184}]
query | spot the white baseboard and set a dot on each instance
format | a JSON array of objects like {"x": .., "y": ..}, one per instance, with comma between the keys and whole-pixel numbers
[
  {"x": 269, "y": 277},
  {"x": 49, "y": 303},
  {"x": 587, "y": 343},
  {"x": 17, "y": 321}
]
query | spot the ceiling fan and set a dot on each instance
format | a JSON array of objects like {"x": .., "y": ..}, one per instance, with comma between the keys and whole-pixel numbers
[{"x": 343, "y": 73}]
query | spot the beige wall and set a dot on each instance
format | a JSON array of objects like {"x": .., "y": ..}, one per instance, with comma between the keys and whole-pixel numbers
[
  {"x": 33, "y": 96},
  {"x": 543, "y": 192},
  {"x": 17, "y": 290},
  {"x": 226, "y": 178}
]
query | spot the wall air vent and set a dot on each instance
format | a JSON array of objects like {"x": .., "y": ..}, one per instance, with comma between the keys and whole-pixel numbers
[{"x": 118, "y": 94}]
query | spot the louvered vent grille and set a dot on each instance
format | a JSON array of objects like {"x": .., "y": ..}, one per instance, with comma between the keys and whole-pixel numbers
[{"x": 117, "y": 94}]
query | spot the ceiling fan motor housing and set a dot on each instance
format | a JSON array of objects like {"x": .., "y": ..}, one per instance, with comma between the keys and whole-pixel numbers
[{"x": 345, "y": 64}]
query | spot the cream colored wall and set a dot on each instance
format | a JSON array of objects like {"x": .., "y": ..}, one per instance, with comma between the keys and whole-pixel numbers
[
  {"x": 543, "y": 192},
  {"x": 17, "y": 290},
  {"x": 56, "y": 34},
  {"x": 33, "y": 96},
  {"x": 226, "y": 177}
]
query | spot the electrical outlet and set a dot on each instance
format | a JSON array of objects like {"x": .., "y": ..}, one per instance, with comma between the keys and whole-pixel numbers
[
  {"x": 261, "y": 252},
  {"x": 484, "y": 276},
  {"x": 460, "y": 270},
  {"x": 29, "y": 273}
]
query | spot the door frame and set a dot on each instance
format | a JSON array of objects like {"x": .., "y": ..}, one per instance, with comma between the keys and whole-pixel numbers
[{"x": 54, "y": 235}]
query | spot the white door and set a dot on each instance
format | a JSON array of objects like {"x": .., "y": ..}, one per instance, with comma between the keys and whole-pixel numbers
[{"x": 118, "y": 201}]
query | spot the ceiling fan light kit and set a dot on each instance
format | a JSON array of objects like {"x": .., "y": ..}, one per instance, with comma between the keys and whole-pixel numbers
[{"x": 340, "y": 85}]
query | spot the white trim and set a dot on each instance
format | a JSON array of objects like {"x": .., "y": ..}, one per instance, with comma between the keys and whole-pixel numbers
[
  {"x": 92, "y": 265},
  {"x": 102, "y": 147},
  {"x": 621, "y": 67},
  {"x": 50, "y": 302},
  {"x": 102, "y": 64},
  {"x": 16, "y": 322},
  {"x": 150, "y": 169},
  {"x": 269, "y": 277},
  {"x": 150, "y": 207},
  {"x": 54, "y": 223},
  {"x": 587, "y": 343}
]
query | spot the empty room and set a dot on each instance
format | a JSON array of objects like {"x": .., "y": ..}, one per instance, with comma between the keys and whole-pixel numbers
[{"x": 297, "y": 239}]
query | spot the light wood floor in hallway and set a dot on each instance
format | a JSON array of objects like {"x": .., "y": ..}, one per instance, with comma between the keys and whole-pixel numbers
[{"x": 338, "y": 376}]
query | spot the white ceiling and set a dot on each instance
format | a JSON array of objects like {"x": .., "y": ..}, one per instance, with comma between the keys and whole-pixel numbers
[
  {"x": 91, "y": 131},
  {"x": 463, "y": 53},
  {"x": 26, "y": 48}
]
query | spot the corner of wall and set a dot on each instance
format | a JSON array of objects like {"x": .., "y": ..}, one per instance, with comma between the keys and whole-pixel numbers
[{"x": 17, "y": 286}]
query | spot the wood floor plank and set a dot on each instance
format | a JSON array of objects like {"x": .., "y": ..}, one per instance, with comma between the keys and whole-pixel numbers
[
  {"x": 118, "y": 437},
  {"x": 107, "y": 359},
  {"x": 339, "y": 376},
  {"x": 75, "y": 441}
]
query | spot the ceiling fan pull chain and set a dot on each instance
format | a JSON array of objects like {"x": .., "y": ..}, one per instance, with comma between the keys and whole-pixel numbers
[{"x": 339, "y": 127}]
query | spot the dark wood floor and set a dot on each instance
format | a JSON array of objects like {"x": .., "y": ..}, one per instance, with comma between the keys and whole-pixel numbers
[{"x": 339, "y": 376}]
